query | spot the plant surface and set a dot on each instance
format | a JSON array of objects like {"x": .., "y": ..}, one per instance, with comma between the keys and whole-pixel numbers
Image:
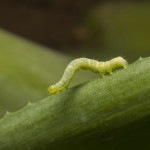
[{"x": 110, "y": 113}]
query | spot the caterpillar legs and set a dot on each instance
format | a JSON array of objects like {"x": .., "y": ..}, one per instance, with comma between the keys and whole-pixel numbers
[{"x": 99, "y": 67}]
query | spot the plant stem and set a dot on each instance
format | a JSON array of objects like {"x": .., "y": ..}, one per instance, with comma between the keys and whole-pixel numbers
[{"x": 109, "y": 113}]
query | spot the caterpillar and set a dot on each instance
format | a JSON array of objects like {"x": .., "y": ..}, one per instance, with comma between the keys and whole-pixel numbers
[{"x": 85, "y": 63}]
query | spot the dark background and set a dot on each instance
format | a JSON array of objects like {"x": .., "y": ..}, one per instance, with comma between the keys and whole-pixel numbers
[
  {"x": 49, "y": 22},
  {"x": 82, "y": 27}
]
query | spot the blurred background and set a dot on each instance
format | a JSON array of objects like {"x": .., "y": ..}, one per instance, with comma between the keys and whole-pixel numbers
[
  {"x": 81, "y": 27},
  {"x": 38, "y": 38}
]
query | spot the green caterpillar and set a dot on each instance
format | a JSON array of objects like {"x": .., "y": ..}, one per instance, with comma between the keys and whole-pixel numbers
[{"x": 85, "y": 63}]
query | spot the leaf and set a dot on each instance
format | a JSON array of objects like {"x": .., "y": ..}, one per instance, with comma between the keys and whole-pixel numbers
[
  {"x": 27, "y": 69},
  {"x": 110, "y": 113}
]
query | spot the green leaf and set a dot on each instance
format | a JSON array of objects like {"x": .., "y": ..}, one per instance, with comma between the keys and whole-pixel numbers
[
  {"x": 26, "y": 71},
  {"x": 110, "y": 113}
]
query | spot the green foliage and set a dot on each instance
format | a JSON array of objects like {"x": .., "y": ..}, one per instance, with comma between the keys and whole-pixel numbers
[
  {"x": 109, "y": 113},
  {"x": 26, "y": 71}
]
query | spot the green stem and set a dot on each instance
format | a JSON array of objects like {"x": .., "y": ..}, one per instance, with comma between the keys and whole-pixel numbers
[{"x": 102, "y": 113}]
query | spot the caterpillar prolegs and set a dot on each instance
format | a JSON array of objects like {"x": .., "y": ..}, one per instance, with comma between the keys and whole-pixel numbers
[{"x": 85, "y": 63}]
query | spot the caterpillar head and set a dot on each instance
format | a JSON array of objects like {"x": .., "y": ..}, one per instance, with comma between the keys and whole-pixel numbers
[{"x": 51, "y": 89}]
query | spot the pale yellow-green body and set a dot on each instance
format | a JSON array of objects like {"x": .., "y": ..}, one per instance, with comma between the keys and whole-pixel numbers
[{"x": 85, "y": 63}]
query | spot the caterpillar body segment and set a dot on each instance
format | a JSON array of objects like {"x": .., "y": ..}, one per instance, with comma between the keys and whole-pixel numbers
[{"x": 85, "y": 63}]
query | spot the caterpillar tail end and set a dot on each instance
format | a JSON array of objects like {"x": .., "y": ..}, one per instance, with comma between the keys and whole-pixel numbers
[{"x": 125, "y": 66}]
